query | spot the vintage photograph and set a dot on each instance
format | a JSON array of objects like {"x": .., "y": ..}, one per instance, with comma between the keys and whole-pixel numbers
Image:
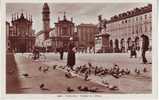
[{"x": 78, "y": 48}]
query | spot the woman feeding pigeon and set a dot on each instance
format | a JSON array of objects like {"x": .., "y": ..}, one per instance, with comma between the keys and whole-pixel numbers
[{"x": 71, "y": 54}]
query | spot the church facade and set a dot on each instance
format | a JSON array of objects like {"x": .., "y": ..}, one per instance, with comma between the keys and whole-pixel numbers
[
  {"x": 21, "y": 35},
  {"x": 64, "y": 30}
]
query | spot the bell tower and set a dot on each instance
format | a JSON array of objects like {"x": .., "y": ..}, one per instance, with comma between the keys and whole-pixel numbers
[{"x": 46, "y": 19}]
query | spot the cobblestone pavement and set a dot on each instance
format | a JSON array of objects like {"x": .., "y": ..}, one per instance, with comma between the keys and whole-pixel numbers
[{"x": 57, "y": 83}]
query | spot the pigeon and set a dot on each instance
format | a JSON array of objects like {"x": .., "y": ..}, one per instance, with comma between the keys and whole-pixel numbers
[
  {"x": 42, "y": 86},
  {"x": 26, "y": 75},
  {"x": 54, "y": 67},
  {"x": 69, "y": 89},
  {"x": 105, "y": 82},
  {"x": 68, "y": 75},
  {"x": 113, "y": 88},
  {"x": 40, "y": 68},
  {"x": 46, "y": 69},
  {"x": 83, "y": 88},
  {"x": 93, "y": 89},
  {"x": 127, "y": 71},
  {"x": 79, "y": 87},
  {"x": 115, "y": 76}
]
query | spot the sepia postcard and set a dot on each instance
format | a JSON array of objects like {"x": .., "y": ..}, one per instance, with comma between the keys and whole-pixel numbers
[{"x": 74, "y": 49}]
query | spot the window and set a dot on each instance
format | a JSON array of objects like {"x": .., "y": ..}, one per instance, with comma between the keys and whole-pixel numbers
[
  {"x": 136, "y": 18},
  {"x": 140, "y": 17}
]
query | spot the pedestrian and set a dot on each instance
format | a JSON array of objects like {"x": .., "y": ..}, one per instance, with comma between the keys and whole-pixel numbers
[
  {"x": 133, "y": 51},
  {"x": 145, "y": 47},
  {"x": 71, "y": 54},
  {"x": 61, "y": 51}
]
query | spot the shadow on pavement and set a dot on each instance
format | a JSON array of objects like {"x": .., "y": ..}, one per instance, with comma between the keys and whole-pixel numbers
[{"x": 12, "y": 82}]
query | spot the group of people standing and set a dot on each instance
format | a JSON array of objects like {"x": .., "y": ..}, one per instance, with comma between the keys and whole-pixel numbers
[{"x": 144, "y": 48}]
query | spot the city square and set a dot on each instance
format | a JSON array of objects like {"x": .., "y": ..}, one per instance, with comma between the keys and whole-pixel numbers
[
  {"x": 76, "y": 54},
  {"x": 132, "y": 83}
]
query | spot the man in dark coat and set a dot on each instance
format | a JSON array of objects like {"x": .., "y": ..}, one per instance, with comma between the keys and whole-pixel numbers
[
  {"x": 145, "y": 47},
  {"x": 71, "y": 54}
]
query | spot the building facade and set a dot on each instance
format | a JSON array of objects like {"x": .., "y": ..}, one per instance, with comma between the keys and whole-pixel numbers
[
  {"x": 86, "y": 34},
  {"x": 126, "y": 28},
  {"x": 21, "y": 34},
  {"x": 64, "y": 29},
  {"x": 7, "y": 36}
]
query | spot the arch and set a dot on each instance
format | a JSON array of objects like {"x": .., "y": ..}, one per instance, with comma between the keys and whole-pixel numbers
[
  {"x": 111, "y": 43},
  {"x": 116, "y": 45}
]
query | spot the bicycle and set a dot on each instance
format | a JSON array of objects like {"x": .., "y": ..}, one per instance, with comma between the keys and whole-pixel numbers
[{"x": 41, "y": 57}]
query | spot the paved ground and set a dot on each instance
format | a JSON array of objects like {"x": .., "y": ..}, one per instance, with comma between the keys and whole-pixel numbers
[{"x": 57, "y": 83}]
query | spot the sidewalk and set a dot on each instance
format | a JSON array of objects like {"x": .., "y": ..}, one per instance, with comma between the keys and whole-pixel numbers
[{"x": 54, "y": 80}]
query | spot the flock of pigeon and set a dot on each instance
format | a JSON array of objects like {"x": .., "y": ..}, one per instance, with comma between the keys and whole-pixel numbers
[
  {"x": 87, "y": 70},
  {"x": 114, "y": 71}
]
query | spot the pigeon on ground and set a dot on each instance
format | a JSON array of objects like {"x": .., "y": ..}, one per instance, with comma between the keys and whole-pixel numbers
[
  {"x": 46, "y": 69},
  {"x": 93, "y": 89},
  {"x": 68, "y": 75},
  {"x": 40, "y": 68},
  {"x": 54, "y": 67},
  {"x": 42, "y": 86},
  {"x": 26, "y": 75},
  {"x": 83, "y": 88},
  {"x": 115, "y": 76},
  {"x": 127, "y": 71},
  {"x": 113, "y": 88},
  {"x": 69, "y": 89},
  {"x": 105, "y": 82}
]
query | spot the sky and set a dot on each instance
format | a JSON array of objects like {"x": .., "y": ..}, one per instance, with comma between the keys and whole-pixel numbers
[{"x": 81, "y": 12}]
